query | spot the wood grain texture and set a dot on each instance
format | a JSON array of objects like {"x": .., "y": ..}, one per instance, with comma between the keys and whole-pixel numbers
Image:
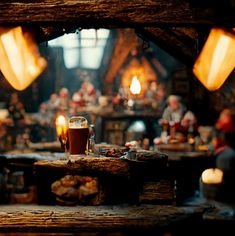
[
  {"x": 112, "y": 13},
  {"x": 32, "y": 218},
  {"x": 90, "y": 165},
  {"x": 154, "y": 192},
  {"x": 106, "y": 165}
]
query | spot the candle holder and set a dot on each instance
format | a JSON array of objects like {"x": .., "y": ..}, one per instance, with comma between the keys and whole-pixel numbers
[{"x": 64, "y": 143}]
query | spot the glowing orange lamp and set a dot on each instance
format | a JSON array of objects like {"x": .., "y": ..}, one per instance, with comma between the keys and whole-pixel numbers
[
  {"x": 217, "y": 59},
  {"x": 20, "y": 62}
]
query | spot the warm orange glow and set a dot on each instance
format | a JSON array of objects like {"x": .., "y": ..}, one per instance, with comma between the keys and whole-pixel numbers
[
  {"x": 20, "y": 62},
  {"x": 140, "y": 68},
  {"x": 212, "y": 176},
  {"x": 216, "y": 60},
  {"x": 61, "y": 126},
  {"x": 135, "y": 87}
]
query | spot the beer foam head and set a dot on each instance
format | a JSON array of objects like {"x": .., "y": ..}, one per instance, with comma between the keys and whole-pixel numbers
[{"x": 78, "y": 122}]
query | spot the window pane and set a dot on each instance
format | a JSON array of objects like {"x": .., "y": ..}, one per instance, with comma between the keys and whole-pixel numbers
[
  {"x": 65, "y": 41},
  {"x": 91, "y": 57},
  {"x": 71, "y": 58},
  {"x": 90, "y": 47}
]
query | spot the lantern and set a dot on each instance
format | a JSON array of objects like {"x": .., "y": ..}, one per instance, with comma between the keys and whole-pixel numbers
[
  {"x": 216, "y": 60},
  {"x": 20, "y": 61}
]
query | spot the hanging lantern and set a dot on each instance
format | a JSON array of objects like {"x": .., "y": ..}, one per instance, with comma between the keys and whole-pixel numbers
[
  {"x": 216, "y": 60},
  {"x": 20, "y": 61}
]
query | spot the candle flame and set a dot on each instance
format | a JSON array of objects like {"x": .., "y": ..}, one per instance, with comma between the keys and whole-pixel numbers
[
  {"x": 135, "y": 87},
  {"x": 61, "y": 125}
]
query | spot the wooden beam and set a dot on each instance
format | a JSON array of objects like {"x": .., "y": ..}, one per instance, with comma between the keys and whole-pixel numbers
[
  {"x": 179, "y": 42},
  {"x": 112, "y": 13},
  {"x": 125, "y": 42}
]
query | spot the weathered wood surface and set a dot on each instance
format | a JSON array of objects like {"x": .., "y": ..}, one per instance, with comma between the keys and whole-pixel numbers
[
  {"x": 103, "y": 165},
  {"x": 90, "y": 165},
  {"x": 154, "y": 192},
  {"x": 32, "y": 218},
  {"x": 106, "y": 13},
  {"x": 52, "y": 18}
]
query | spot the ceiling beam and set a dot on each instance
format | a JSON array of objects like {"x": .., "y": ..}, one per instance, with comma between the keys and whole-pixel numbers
[
  {"x": 179, "y": 42},
  {"x": 126, "y": 41},
  {"x": 111, "y": 13}
]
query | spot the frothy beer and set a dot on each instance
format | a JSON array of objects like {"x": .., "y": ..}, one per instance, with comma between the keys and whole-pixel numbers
[{"x": 78, "y": 135}]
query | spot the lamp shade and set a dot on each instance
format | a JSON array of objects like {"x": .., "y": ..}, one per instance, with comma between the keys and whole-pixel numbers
[
  {"x": 216, "y": 60},
  {"x": 20, "y": 61}
]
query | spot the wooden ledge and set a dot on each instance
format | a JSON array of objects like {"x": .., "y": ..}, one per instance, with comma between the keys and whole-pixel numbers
[
  {"x": 34, "y": 218},
  {"x": 106, "y": 165}
]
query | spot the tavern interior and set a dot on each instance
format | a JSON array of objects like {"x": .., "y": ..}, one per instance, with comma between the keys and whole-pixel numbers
[{"x": 138, "y": 174}]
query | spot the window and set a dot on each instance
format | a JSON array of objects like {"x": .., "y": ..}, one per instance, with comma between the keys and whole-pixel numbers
[{"x": 84, "y": 50}]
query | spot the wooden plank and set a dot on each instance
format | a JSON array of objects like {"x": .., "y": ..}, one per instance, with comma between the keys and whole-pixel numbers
[
  {"x": 112, "y": 13},
  {"x": 32, "y": 218}
]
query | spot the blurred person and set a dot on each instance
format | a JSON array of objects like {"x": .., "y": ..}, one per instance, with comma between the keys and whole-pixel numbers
[
  {"x": 53, "y": 102},
  {"x": 86, "y": 95},
  {"x": 224, "y": 131},
  {"x": 16, "y": 116},
  {"x": 16, "y": 110},
  {"x": 224, "y": 145},
  {"x": 45, "y": 119},
  {"x": 176, "y": 114},
  {"x": 156, "y": 95},
  {"x": 64, "y": 99}
]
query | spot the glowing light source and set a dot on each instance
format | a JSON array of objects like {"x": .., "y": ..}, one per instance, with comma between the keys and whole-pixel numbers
[
  {"x": 212, "y": 176},
  {"x": 135, "y": 87},
  {"x": 61, "y": 126},
  {"x": 21, "y": 62},
  {"x": 216, "y": 60}
]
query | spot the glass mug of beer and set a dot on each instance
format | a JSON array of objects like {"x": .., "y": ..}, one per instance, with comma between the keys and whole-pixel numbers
[{"x": 78, "y": 134}]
